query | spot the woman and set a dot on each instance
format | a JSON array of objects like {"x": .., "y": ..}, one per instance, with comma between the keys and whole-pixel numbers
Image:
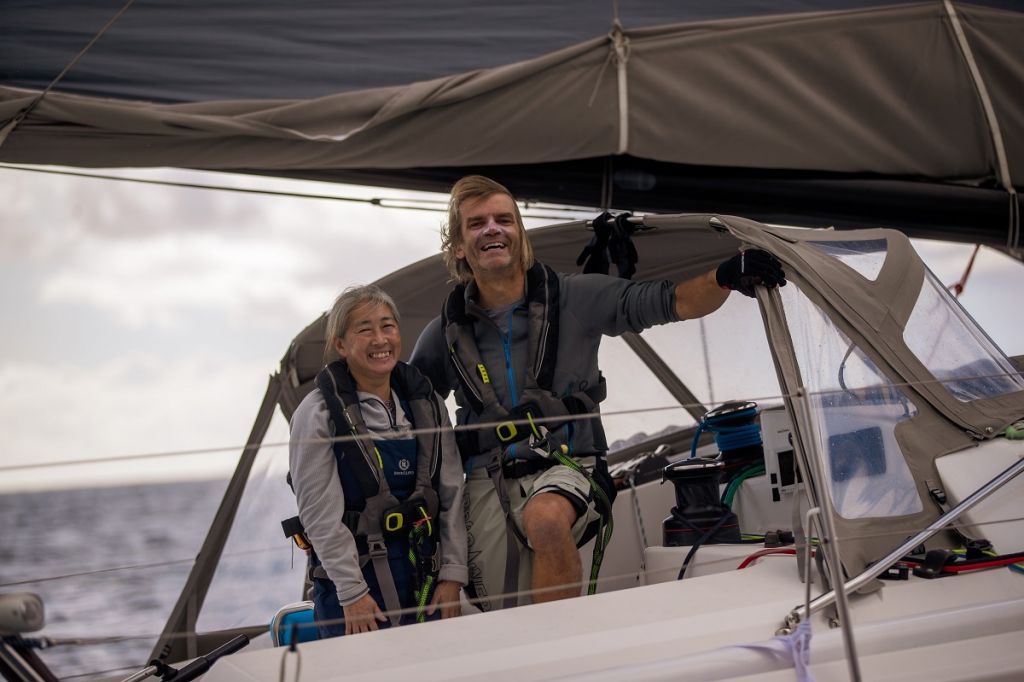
[{"x": 383, "y": 509}]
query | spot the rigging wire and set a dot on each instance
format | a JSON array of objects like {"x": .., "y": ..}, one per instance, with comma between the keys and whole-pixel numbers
[
  {"x": 404, "y": 203},
  {"x": 20, "y": 116},
  {"x": 130, "y": 567},
  {"x": 335, "y": 439},
  {"x": 958, "y": 286},
  {"x": 902, "y": 532},
  {"x": 46, "y": 642},
  {"x": 94, "y": 673},
  {"x": 775, "y": 398},
  {"x": 130, "y": 457}
]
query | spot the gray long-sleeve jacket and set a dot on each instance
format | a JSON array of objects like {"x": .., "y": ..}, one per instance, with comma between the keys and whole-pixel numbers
[
  {"x": 321, "y": 500},
  {"x": 590, "y": 305}
]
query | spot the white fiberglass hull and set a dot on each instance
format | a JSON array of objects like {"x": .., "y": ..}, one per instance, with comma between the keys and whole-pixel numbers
[{"x": 969, "y": 627}]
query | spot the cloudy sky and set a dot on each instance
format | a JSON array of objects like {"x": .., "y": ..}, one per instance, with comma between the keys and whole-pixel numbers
[
  {"x": 142, "y": 319},
  {"x": 146, "y": 319}
]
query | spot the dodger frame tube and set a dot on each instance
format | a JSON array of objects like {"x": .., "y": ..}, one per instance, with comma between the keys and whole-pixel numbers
[{"x": 882, "y": 564}]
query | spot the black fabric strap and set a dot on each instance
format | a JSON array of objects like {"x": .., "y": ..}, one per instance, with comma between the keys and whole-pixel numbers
[
  {"x": 938, "y": 497},
  {"x": 335, "y": 386},
  {"x": 517, "y": 468},
  {"x": 511, "y": 582},
  {"x": 542, "y": 286}
]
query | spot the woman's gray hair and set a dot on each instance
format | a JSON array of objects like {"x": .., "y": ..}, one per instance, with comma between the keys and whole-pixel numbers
[{"x": 353, "y": 297}]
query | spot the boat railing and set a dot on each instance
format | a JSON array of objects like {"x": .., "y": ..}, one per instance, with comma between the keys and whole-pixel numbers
[{"x": 804, "y": 611}]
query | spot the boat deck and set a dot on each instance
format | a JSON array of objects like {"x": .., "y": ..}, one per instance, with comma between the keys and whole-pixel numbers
[{"x": 686, "y": 630}]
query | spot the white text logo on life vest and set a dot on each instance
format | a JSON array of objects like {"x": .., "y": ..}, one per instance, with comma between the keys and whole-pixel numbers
[{"x": 403, "y": 464}]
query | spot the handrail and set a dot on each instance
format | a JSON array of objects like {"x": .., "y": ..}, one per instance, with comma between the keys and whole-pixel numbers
[{"x": 798, "y": 612}]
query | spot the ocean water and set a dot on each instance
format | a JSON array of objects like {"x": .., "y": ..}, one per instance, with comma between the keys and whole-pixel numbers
[{"x": 110, "y": 562}]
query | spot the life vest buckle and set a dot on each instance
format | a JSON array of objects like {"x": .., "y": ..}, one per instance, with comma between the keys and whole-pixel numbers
[
  {"x": 506, "y": 432},
  {"x": 393, "y": 521},
  {"x": 376, "y": 547},
  {"x": 408, "y": 516}
]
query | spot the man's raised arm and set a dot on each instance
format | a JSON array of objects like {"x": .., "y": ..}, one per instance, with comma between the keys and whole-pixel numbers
[{"x": 703, "y": 294}]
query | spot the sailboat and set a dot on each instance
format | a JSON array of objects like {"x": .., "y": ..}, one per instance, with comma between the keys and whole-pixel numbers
[
  {"x": 896, "y": 410},
  {"x": 847, "y": 431}
]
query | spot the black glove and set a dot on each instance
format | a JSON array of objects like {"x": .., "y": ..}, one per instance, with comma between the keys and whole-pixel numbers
[
  {"x": 621, "y": 247},
  {"x": 594, "y": 257},
  {"x": 749, "y": 268},
  {"x": 611, "y": 243}
]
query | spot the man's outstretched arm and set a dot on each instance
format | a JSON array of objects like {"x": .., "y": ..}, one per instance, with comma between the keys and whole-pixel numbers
[
  {"x": 698, "y": 296},
  {"x": 703, "y": 294}
]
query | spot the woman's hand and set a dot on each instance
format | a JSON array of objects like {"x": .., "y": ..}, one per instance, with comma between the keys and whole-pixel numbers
[
  {"x": 362, "y": 616},
  {"x": 446, "y": 596}
]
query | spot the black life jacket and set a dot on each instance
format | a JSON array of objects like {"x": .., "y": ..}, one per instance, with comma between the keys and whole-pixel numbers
[
  {"x": 367, "y": 494},
  {"x": 536, "y": 399},
  {"x": 372, "y": 512}
]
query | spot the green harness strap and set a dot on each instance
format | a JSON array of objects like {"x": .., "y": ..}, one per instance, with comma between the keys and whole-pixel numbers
[
  {"x": 425, "y": 576},
  {"x": 606, "y": 523}
]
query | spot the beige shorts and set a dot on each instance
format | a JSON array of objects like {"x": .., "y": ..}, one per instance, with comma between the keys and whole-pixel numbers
[{"x": 485, "y": 523}]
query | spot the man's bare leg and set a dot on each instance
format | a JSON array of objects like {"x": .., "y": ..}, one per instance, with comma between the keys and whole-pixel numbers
[{"x": 547, "y": 520}]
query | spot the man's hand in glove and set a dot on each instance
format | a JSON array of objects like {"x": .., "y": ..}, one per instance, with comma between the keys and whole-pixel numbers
[{"x": 749, "y": 268}]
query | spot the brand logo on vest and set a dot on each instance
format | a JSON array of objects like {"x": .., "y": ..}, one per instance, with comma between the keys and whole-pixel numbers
[{"x": 403, "y": 464}]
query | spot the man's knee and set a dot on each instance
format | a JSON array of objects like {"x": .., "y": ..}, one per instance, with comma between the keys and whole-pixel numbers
[{"x": 547, "y": 520}]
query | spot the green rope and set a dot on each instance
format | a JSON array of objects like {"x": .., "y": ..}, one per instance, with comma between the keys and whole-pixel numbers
[
  {"x": 421, "y": 599},
  {"x": 422, "y": 593},
  {"x": 606, "y": 524}
]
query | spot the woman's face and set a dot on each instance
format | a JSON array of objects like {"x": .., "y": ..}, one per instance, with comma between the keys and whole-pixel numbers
[{"x": 371, "y": 344}]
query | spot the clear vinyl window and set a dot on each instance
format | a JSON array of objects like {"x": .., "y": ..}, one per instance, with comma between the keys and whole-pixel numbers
[
  {"x": 951, "y": 345},
  {"x": 855, "y": 409},
  {"x": 866, "y": 256}
]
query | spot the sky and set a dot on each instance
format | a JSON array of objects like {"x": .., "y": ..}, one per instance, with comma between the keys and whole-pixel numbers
[{"x": 145, "y": 319}]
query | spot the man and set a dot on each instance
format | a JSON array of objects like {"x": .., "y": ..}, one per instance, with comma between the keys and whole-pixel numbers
[{"x": 518, "y": 343}]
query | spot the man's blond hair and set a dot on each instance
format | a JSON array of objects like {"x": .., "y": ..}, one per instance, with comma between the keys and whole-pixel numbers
[{"x": 469, "y": 188}]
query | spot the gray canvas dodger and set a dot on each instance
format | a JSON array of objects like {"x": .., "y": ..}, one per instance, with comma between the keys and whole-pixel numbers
[{"x": 873, "y": 315}]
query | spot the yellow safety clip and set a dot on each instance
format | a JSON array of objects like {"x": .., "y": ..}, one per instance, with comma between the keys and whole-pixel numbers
[
  {"x": 506, "y": 431},
  {"x": 483, "y": 372},
  {"x": 394, "y": 521}
]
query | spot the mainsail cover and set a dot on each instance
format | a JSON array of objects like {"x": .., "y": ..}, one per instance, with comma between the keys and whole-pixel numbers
[{"x": 905, "y": 116}]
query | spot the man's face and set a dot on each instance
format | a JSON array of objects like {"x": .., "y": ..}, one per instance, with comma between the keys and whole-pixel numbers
[{"x": 491, "y": 239}]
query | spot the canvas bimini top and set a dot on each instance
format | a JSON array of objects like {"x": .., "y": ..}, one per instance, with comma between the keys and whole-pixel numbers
[{"x": 904, "y": 115}]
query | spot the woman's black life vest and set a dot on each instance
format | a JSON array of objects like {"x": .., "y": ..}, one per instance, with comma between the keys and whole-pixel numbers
[{"x": 372, "y": 511}]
